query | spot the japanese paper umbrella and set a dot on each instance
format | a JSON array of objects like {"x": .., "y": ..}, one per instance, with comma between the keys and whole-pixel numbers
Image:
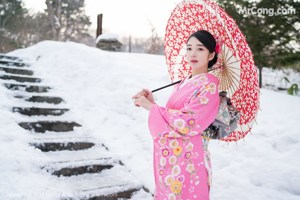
[{"x": 235, "y": 67}]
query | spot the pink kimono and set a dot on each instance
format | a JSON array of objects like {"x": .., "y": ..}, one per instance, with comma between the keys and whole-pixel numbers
[{"x": 179, "y": 158}]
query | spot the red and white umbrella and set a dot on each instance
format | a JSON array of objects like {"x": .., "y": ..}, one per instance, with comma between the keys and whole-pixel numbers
[{"x": 235, "y": 67}]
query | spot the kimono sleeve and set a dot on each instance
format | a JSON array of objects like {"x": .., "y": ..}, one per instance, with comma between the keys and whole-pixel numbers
[{"x": 192, "y": 119}]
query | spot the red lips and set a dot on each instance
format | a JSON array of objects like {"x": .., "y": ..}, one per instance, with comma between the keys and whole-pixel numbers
[{"x": 194, "y": 61}]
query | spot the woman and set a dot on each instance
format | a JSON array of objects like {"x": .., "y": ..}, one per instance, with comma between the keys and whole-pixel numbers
[{"x": 181, "y": 167}]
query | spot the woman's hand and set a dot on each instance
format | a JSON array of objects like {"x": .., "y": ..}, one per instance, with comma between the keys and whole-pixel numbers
[
  {"x": 143, "y": 102},
  {"x": 144, "y": 99},
  {"x": 146, "y": 93}
]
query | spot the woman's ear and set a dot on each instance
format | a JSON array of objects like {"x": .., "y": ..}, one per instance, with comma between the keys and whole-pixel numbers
[{"x": 211, "y": 56}]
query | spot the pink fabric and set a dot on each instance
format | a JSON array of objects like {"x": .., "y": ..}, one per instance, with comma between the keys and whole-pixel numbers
[{"x": 179, "y": 165}]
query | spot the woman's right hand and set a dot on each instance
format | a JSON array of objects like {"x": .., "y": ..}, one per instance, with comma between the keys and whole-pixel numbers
[{"x": 146, "y": 93}]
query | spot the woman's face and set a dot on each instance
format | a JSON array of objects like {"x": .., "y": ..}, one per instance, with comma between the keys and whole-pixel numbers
[{"x": 198, "y": 55}]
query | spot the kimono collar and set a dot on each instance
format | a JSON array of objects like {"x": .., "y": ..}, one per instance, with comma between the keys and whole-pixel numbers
[{"x": 188, "y": 79}]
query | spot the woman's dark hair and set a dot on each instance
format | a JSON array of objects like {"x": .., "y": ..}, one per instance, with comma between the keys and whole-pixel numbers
[{"x": 208, "y": 40}]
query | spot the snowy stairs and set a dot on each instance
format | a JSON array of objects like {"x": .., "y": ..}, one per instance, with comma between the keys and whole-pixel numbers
[{"x": 86, "y": 167}]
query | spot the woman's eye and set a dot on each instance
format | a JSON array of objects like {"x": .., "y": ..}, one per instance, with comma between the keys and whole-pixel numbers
[
  {"x": 188, "y": 49},
  {"x": 200, "y": 49}
]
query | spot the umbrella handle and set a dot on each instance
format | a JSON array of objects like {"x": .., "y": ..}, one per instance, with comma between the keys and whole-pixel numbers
[{"x": 163, "y": 87}]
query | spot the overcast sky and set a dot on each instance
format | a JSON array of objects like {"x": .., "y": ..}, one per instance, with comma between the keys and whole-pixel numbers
[{"x": 124, "y": 17}]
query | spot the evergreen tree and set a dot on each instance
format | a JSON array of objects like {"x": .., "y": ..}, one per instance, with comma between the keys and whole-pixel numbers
[
  {"x": 268, "y": 35},
  {"x": 12, "y": 15},
  {"x": 67, "y": 20}
]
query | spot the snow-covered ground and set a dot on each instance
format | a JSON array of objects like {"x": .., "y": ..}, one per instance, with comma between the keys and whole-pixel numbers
[{"x": 97, "y": 86}]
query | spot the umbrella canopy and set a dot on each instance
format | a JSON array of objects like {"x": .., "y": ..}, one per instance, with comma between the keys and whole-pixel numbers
[{"x": 235, "y": 67}]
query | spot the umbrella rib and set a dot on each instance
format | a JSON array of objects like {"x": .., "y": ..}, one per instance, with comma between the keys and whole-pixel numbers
[
  {"x": 234, "y": 51},
  {"x": 233, "y": 79},
  {"x": 232, "y": 71},
  {"x": 232, "y": 55},
  {"x": 232, "y": 67},
  {"x": 226, "y": 54},
  {"x": 238, "y": 60},
  {"x": 227, "y": 81},
  {"x": 230, "y": 88}
]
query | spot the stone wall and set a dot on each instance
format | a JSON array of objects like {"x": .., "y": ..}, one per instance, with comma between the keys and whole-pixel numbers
[{"x": 109, "y": 44}]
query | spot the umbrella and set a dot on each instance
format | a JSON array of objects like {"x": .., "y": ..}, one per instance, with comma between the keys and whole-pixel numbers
[{"x": 235, "y": 67}]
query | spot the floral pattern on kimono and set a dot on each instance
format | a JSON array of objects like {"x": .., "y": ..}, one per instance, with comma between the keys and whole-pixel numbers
[{"x": 179, "y": 158}]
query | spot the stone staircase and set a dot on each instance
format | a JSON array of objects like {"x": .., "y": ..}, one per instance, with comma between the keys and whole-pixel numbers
[{"x": 87, "y": 167}]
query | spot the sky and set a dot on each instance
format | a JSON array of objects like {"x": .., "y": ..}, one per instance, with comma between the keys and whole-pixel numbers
[{"x": 124, "y": 18}]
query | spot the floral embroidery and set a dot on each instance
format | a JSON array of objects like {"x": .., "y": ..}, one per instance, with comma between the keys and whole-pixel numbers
[
  {"x": 190, "y": 168},
  {"x": 161, "y": 172},
  {"x": 228, "y": 129},
  {"x": 166, "y": 135},
  {"x": 173, "y": 134},
  {"x": 179, "y": 123},
  {"x": 176, "y": 170},
  {"x": 172, "y": 197},
  {"x": 172, "y": 160},
  {"x": 181, "y": 178},
  {"x": 190, "y": 147},
  {"x": 212, "y": 88},
  {"x": 203, "y": 100},
  {"x": 203, "y": 78},
  {"x": 173, "y": 144},
  {"x": 177, "y": 151},
  {"x": 162, "y": 161},
  {"x": 162, "y": 141},
  {"x": 169, "y": 180},
  {"x": 165, "y": 152},
  {"x": 176, "y": 187},
  {"x": 195, "y": 82},
  {"x": 191, "y": 122},
  {"x": 188, "y": 155},
  {"x": 192, "y": 133},
  {"x": 184, "y": 130}
]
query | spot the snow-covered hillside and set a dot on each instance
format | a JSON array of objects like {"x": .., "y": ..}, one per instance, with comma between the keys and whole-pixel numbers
[{"x": 97, "y": 87}]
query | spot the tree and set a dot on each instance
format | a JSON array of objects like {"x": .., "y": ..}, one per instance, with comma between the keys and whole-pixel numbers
[
  {"x": 154, "y": 43},
  {"x": 67, "y": 19},
  {"x": 268, "y": 35},
  {"x": 62, "y": 20},
  {"x": 12, "y": 16}
]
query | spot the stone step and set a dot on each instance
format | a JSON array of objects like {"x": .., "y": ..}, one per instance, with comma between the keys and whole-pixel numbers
[
  {"x": 61, "y": 146},
  {"x": 43, "y": 126},
  {"x": 27, "y": 88},
  {"x": 112, "y": 184},
  {"x": 13, "y": 63},
  {"x": 79, "y": 167},
  {"x": 126, "y": 194},
  {"x": 93, "y": 153},
  {"x": 73, "y": 171},
  {"x": 40, "y": 111},
  {"x": 41, "y": 99},
  {"x": 21, "y": 79},
  {"x": 17, "y": 71},
  {"x": 7, "y": 57}
]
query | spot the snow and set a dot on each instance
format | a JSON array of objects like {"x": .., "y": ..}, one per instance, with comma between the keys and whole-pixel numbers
[
  {"x": 107, "y": 36},
  {"x": 97, "y": 87},
  {"x": 274, "y": 79}
]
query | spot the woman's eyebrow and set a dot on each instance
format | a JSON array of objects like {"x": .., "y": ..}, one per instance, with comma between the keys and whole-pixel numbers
[{"x": 196, "y": 45}]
